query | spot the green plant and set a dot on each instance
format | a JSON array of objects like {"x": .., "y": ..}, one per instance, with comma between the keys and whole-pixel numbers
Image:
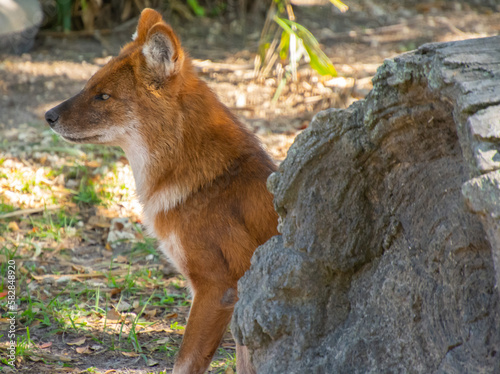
[
  {"x": 87, "y": 193},
  {"x": 176, "y": 326},
  {"x": 229, "y": 361},
  {"x": 133, "y": 334},
  {"x": 6, "y": 208},
  {"x": 167, "y": 299},
  {"x": 196, "y": 8},
  {"x": 24, "y": 344},
  {"x": 64, "y": 14},
  {"x": 52, "y": 225},
  {"x": 284, "y": 39},
  {"x": 146, "y": 246}
]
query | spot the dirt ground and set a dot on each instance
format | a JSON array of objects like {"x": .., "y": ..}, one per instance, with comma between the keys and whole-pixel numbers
[{"x": 70, "y": 253}]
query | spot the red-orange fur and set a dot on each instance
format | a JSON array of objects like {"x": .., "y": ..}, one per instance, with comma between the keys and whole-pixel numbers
[{"x": 186, "y": 146}]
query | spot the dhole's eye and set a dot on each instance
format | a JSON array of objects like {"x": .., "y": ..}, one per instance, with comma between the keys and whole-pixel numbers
[{"x": 102, "y": 97}]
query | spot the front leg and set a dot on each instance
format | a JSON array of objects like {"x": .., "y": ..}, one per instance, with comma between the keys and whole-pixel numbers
[{"x": 208, "y": 320}]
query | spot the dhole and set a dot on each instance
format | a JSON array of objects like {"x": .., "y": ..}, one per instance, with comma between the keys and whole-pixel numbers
[{"x": 200, "y": 174}]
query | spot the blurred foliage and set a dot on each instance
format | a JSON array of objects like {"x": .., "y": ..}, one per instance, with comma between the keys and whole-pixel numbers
[
  {"x": 284, "y": 42},
  {"x": 64, "y": 14},
  {"x": 88, "y": 15},
  {"x": 317, "y": 59},
  {"x": 196, "y": 8}
]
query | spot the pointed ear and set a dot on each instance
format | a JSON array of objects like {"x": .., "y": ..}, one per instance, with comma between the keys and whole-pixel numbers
[
  {"x": 148, "y": 19},
  {"x": 162, "y": 51}
]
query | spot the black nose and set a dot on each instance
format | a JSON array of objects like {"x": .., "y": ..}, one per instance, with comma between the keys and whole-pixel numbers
[{"x": 51, "y": 117}]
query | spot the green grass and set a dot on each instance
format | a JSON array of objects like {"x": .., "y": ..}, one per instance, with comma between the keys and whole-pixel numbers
[
  {"x": 132, "y": 337},
  {"x": 176, "y": 326},
  {"x": 229, "y": 361},
  {"x": 87, "y": 193},
  {"x": 62, "y": 311},
  {"x": 170, "y": 348},
  {"x": 6, "y": 208},
  {"x": 24, "y": 345},
  {"x": 144, "y": 247},
  {"x": 52, "y": 225},
  {"x": 70, "y": 307},
  {"x": 28, "y": 185},
  {"x": 174, "y": 300},
  {"x": 91, "y": 189}
]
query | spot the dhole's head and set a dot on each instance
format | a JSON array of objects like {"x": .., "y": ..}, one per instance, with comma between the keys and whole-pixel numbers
[{"x": 134, "y": 85}]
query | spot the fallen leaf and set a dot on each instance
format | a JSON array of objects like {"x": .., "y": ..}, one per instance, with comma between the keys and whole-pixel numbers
[
  {"x": 162, "y": 341},
  {"x": 101, "y": 222},
  {"x": 83, "y": 350},
  {"x": 35, "y": 323},
  {"x": 178, "y": 332},
  {"x": 135, "y": 304},
  {"x": 171, "y": 315},
  {"x": 150, "y": 313},
  {"x": 110, "y": 371},
  {"x": 131, "y": 317},
  {"x": 121, "y": 259},
  {"x": 92, "y": 164},
  {"x": 78, "y": 341},
  {"x": 3, "y": 294},
  {"x": 115, "y": 291},
  {"x": 96, "y": 347},
  {"x": 78, "y": 269},
  {"x": 13, "y": 226},
  {"x": 151, "y": 362},
  {"x": 229, "y": 370},
  {"x": 45, "y": 345},
  {"x": 130, "y": 354},
  {"x": 113, "y": 315},
  {"x": 123, "y": 305}
]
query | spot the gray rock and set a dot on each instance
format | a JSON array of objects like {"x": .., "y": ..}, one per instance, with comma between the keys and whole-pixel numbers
[
  {"x": 19, "y": 23},
  {"x": 390, "y": 221}
]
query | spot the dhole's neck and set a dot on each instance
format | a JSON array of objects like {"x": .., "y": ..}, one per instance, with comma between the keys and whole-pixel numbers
[{"x": 174, "y": 156}]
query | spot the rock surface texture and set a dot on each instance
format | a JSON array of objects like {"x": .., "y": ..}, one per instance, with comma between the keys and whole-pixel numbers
[{"x": 390, "y": 215}]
